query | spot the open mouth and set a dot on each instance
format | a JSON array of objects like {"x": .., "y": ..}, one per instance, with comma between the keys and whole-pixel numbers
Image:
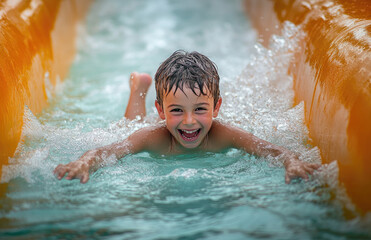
[{"x": 189, "y": 135}]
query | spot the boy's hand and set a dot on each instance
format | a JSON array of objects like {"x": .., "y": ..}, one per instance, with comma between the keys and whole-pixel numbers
[
  {"x": 74, "y": 170},
  {"x": 78, "y": 169},
  {"x": 296, "y": 168}
]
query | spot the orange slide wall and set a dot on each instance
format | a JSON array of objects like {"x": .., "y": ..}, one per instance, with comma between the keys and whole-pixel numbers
[
  {"x": 332, "y": 75},
  {"x": 37, "y": 47}
]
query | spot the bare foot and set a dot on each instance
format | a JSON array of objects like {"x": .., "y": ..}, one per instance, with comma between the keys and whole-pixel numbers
[{"x": 139, "y": 84}]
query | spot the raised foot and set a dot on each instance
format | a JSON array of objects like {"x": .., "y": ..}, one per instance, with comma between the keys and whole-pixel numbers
[{"x": 139, "y": 83}]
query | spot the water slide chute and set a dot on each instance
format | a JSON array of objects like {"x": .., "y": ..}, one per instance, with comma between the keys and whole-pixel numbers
[{"x": 332, "y": 75}]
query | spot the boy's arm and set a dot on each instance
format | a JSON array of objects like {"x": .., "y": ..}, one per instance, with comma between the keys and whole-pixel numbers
[
  {"x": 241, "y": 139},
  {"x": 141, "y": 140}
]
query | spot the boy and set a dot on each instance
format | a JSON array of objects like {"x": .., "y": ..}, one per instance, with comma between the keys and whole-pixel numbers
[{"x": 187, "y": 89}]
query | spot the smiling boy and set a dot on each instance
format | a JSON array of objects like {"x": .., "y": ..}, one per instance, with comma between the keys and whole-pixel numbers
[{"x": 188, "y": 100}]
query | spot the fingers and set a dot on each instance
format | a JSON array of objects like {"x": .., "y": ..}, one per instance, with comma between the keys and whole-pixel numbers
[
  {"x": 290, "y": 176},
  {"x": 304, "y": 175},
  {"x": 84, "y": 178},
  {"x": 60, "y": 171},
  {"x": 315, "y": 166},
  {"x": 287, "y": 178},
  {"x": 301, "y": 171},
  {"x": 309, "y": 170},
  {"x": 72, "y": 171},
  {"x": 71, "y": 175},
  {"x": 75, "y": 174},
  {"x": 311, "y": 167}
]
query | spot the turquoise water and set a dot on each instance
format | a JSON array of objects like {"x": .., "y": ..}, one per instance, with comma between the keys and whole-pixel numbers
[{"x": 228, "y": 195}]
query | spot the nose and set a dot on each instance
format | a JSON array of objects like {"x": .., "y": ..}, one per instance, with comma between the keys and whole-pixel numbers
[{"x": 189, "y": 119}]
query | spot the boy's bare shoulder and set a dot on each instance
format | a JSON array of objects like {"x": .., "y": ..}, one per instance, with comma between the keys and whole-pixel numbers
[
  {"x": 221, "y": 128},
  {"x": 225, "y": 135},
  {"x": 153, "y": 138},
  {"x": 220, "y": 135},
  {"x": 157, "y": 130}
]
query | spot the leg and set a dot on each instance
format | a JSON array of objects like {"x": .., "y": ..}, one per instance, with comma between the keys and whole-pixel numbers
[{"x": 139, "y": 84}]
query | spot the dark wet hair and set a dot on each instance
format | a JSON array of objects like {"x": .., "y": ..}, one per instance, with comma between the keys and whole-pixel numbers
[{"x": 193, "y": 70}]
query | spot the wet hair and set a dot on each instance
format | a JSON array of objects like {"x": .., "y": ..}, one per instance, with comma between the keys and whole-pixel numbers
[{"x": 184, "y": 69}]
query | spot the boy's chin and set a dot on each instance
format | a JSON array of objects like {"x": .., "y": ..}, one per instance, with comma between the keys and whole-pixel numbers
[{"x": 190, "y": 146}]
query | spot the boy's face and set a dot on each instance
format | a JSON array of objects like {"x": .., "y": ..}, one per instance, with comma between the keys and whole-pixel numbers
[{"x": 188, "y": 117}]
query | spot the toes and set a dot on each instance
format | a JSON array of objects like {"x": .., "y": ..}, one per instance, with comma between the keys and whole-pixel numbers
[{"x": 145, "y": 78}]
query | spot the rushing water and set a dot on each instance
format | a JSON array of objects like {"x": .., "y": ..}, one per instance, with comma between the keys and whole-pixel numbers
[{"x": 213, "y": 196}]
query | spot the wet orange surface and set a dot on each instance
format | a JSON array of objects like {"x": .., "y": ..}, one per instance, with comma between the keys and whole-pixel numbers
[
  {"x": 37, "y": 46},
  {"x": 332, "y": 75}
]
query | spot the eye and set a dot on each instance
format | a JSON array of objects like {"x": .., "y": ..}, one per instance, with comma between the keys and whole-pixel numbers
[
  {"x": 200, "y": 109},
  {"x": 176, "y": 110}
]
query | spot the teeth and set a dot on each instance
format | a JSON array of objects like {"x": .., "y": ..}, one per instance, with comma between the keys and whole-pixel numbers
[{"x": 190, "y": 131}]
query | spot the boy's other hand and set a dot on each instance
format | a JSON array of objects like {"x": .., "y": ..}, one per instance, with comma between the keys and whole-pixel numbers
[
  {"x": 296, "y": 168},
  {"x": 75, "y": 170}
]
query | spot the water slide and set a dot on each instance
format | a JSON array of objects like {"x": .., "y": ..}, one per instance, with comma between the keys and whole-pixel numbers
[
  {"x": 331, "y": 72},
  {"x": 37, "y": 47},
  {"x": 332, "y": 75}
]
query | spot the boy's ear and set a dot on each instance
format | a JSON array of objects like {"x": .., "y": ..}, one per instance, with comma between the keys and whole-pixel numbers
[
  {"x": 160, "y": 111},
  {"x": 217, "y": 107}
]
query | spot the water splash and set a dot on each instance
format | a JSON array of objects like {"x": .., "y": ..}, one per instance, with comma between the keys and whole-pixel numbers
[
  {"x": 26, "y": 162},
  {"x": 226, "y": 195},
  {"x": 260, "y": 100}
]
